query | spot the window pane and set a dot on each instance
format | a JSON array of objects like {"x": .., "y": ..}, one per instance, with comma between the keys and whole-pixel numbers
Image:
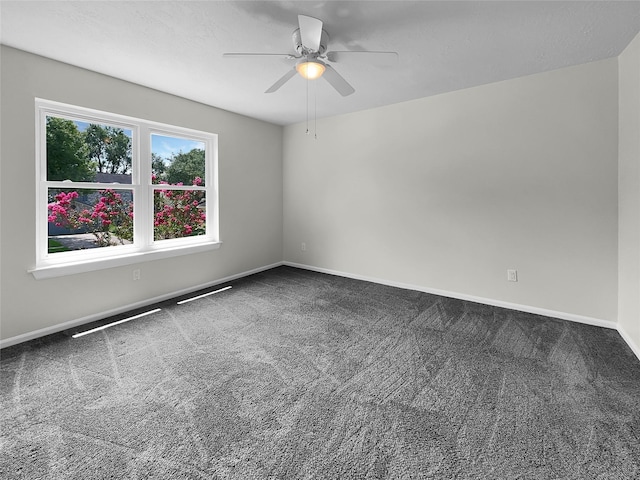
[
  {"x": 81, "y": 219},
  {"x": 178, "y": 214},
  {"x": 87, "y": 152},
  {"x": 177, "y": 161}
]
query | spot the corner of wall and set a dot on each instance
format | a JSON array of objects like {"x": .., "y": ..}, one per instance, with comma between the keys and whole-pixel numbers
[{"x": 629, "y": 195}]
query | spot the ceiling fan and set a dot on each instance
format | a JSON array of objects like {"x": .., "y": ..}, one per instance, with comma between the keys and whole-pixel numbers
[{"x": 310, "y": 43}]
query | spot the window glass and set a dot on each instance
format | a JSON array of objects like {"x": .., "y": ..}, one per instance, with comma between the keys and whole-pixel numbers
[
  {"x": 177, "y": 161},
  {"x": 179, "y": 214},
  {"x": 87, "y": 152},
  {"x": 80, "y": 219}
]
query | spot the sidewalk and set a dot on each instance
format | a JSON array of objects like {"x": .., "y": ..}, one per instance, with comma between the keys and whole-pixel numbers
[{"x": 81, "y": 241}]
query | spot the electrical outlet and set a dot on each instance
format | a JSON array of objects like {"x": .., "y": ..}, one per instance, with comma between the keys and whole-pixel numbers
[
  {"x": 303, "y": 247},
  {"x": 136, "y": 274},
  {"x": 512, "y": 275}
]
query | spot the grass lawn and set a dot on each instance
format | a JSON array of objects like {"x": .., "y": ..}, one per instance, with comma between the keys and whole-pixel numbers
[{"x": 55, "y": 247}]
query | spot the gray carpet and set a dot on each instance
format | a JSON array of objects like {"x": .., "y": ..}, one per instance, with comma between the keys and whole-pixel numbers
[{"x": 298, "y": 375}]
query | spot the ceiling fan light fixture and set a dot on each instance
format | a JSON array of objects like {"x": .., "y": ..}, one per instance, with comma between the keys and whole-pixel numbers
[{"x": 310, "y": 69}]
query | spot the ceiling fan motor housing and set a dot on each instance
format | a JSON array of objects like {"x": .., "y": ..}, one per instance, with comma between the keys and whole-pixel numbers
[{"x": 303, "y": 50}]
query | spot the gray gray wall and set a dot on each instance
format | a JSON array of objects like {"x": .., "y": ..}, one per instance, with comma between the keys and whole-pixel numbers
[
  {"x": 629, "y": 191},
  {"x": 447, "y": 192},
  {"x": 250, "y": 182}
]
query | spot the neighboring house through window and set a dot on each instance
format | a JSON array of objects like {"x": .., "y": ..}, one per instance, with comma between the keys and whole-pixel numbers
[{"x": 114, "y": 190}]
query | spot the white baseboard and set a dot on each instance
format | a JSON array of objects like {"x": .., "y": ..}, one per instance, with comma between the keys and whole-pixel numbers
[
  {"x": 627, "y": 338},
  {"x": 125, "y": 308},
  {"x": 461, "y": 296},
  {"x": 487, "y": 301}
]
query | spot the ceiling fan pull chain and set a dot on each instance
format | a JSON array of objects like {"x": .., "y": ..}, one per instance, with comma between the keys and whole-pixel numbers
[
  {"x": 315, "y": 110},
  {"x": 307, "y": 102}
]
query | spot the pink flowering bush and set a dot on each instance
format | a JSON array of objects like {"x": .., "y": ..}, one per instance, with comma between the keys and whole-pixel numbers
[
  {"x": 110, "y": 220},
  {"x": 61, "y": 212},
  {"x": 177, "y": 214}
]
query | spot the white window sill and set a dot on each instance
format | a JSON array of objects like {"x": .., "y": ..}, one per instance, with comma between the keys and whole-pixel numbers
[{"x": 89, "y": 265}]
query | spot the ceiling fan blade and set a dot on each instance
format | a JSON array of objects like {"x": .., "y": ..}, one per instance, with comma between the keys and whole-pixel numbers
[
  {"x": 337, "y": 82},
  {"x": 288, "y": 56},
  {"x": 310, "y": 32},
  {"x": 372, "y": 58},
  {"x": 284, "y": 79}
]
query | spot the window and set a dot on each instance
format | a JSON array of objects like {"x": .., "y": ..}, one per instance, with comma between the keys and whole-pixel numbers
[{"x": 114, "y": 190}]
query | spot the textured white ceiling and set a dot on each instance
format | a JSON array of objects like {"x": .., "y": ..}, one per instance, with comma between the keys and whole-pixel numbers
[{"x": 177, "y": 46}]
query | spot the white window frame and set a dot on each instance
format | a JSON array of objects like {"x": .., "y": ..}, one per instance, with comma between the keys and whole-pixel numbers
[{"x": 144, "y": 247}]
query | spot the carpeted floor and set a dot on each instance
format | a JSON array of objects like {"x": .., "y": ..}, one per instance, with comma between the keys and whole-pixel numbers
[{"x": 298, "y": 375}]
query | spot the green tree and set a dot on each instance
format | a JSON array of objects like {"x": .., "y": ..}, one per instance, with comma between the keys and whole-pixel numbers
[
  {"x": 184, "y": 167},
  {"x": 109, "y": 148},
  {"x": 158, "y": 167},
  {"x": 67, "y": 153},
  {"x": 119, "y": 151},
  {"x": 96, "y": 138}
]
